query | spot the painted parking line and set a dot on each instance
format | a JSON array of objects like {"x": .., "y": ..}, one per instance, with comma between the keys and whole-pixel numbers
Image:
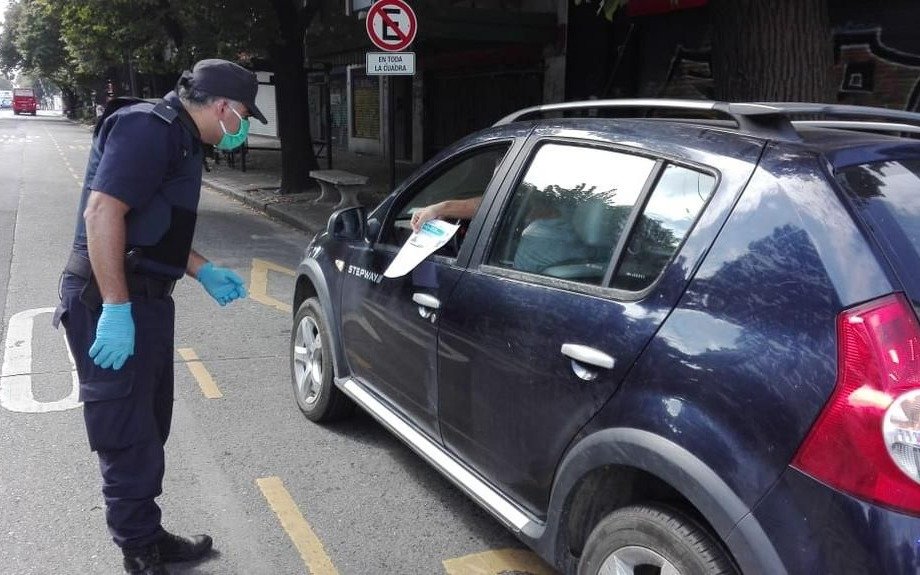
[
  {"x": 16, "y": 392},
  {"x": 204, "y": 379},
  {"x": 292, "y": 520},
  {"x": 498, "y": 561},
  {"x": 258, "y": 283}
]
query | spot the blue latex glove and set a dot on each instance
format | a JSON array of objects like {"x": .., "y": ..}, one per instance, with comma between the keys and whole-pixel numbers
[
  {"x": 223, "y": 284},
  {"x": 114, "y": 336}
]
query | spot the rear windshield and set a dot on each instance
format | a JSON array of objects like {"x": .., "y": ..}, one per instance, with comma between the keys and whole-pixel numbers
[{"x": 888, "y": 195}]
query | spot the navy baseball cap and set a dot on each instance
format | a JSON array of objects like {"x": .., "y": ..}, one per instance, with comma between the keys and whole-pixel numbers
[{"x": 225, "y": 79}]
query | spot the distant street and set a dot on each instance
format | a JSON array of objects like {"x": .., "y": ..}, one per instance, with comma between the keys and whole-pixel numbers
[{"x": 354, "y": 499}]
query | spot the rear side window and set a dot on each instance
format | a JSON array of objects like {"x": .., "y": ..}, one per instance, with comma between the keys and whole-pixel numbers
[
  {"x": 677, "y": 199},
  {"x": 569, "y": 211}
]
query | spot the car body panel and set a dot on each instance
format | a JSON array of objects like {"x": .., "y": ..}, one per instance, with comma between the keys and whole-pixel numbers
[
  {"x": 708, "y": 381},
  {"x": 379, "y": 317},
  {"x": 824, "y": 531},
  {"x": 722, "y": 365},
  {"x": 510, "y": 401}
]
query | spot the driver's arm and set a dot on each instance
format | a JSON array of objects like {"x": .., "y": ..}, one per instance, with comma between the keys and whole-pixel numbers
[{"x": 459, "y": 209}]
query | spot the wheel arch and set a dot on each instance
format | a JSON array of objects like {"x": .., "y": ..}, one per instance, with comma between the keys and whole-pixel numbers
[
  {"x": 312, "y": 282},
  {"x": 631, "y": 466}
]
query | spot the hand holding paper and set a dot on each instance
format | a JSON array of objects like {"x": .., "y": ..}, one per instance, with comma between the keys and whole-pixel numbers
[{"x": 421, "y": 244}]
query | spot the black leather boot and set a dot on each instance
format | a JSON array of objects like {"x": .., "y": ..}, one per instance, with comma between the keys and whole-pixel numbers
[
  {"x": 173, "y": 548},
  {"x": 144, "y": 560}
]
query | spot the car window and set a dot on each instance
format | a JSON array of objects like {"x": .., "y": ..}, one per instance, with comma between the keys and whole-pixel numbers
[
  {"x": 467, "y": 177},
  {"x": 568, "y": 212},
  {"x": 887, "y": 194},
  {"x": 677, "y": 199}
]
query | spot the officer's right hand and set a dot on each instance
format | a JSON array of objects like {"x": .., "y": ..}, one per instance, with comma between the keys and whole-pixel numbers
[{"x": 114, "y": 336}]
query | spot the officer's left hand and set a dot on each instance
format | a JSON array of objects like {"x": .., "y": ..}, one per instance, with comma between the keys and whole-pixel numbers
[
  {"x": 114, "y": 342},
  {"x": 223, "y": 284}
]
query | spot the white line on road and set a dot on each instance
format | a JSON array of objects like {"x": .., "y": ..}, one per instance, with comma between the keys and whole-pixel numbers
[{"x": 16, "y": 373}]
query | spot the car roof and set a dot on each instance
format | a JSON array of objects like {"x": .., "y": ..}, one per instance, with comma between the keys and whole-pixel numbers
[
  {"x": 842, "y": 143},
  {"x": 826, "y": 128}
]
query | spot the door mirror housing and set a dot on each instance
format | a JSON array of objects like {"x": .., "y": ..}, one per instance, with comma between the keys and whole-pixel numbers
[{"x": 348, "y": 224}]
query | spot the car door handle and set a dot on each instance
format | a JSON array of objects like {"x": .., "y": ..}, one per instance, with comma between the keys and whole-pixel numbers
[
  {"x": 426, "y": 300},
  {"x": 427, "y": 305},
  {"x": 587, "y": 355}
]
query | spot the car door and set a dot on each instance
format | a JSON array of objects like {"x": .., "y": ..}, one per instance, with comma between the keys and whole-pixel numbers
[
  {"x": 569, "y": 292},
  {"x": 389, "y": 325}
]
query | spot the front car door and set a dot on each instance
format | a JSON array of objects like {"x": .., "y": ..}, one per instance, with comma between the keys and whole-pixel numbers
[
  {"x": 573, "y": 283},
  {"x": 389, "y": 325}
]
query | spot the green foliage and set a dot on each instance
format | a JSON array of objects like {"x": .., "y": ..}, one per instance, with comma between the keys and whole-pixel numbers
[
  {"x": 606, "y": 7},
  {"x": 10, "y": 58},
  {"x": 38, "y": 40},
  {"x": 75, "y": 41}
]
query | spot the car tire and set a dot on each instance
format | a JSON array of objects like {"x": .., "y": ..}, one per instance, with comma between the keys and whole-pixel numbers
[
  {"x": 638, "y": 538},
  {"x": 311, "y": 366}
]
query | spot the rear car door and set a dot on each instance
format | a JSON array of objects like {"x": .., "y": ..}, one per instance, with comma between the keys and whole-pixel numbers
[
  {"x": 573, "y": 282},
  {"x": 389, "y": 325}
]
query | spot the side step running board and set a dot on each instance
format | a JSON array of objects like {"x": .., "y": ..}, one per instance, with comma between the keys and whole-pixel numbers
[{"x": 495, "y": 502}]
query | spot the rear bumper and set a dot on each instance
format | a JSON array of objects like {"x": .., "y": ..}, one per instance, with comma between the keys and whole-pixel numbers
[{"x": 816, "y": 529}]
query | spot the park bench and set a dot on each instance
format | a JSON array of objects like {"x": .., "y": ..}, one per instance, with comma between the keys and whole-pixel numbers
[{"x": 338, "y": 185}]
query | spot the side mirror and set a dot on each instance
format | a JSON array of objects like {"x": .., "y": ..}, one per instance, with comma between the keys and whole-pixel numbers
[{"x": 348, "y": 224}]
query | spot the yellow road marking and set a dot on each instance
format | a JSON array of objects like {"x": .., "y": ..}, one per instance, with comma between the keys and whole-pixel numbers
[
  {"x": 496, "y": 562},
  {"x": 292, "y": 520},
  {"x": 205, "y": 381},
  {"x": 258, "y": 283}
]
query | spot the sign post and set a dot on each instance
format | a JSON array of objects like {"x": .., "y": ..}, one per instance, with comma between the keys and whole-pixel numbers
[{"x": 391, "y": 26}]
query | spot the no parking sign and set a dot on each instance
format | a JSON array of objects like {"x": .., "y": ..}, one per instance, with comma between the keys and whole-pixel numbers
[{"x": 391, "y": 25}]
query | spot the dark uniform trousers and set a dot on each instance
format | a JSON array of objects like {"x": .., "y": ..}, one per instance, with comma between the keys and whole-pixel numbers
[{"x": 127, "y": 412}]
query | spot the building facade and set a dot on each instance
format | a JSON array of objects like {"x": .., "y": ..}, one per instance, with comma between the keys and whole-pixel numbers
[{"x": 476, "y": 60}]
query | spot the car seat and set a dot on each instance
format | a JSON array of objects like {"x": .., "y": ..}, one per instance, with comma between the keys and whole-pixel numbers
[{"x": 575, "y": 248}]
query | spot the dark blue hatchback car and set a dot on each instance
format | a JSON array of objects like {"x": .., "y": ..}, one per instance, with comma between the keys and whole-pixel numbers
[{"x": 684, "y": 341}]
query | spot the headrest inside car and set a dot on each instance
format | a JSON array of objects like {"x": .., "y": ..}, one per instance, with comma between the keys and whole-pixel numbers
[{"x": 597, "y": 222}]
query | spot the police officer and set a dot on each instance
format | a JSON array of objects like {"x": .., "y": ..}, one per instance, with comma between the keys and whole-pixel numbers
[{"x": 133, "y": 241}]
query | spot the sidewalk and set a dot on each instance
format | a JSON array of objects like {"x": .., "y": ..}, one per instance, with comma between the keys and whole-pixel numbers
[{"x": 258, "y": 185}]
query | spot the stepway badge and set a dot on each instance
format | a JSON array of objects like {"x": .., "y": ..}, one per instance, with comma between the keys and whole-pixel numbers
[{"x": 390, "y": 63}]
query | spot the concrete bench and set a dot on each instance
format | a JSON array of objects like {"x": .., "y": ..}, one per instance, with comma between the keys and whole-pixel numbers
[{"x": 338, "y": 185}]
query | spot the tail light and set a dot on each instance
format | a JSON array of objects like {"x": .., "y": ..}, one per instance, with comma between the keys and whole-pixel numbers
[{"x": 866, "y": 441}]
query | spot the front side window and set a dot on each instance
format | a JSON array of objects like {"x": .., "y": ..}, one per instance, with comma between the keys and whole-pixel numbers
[
  {"x": 465, "y": 178},
  {"x": 568, "y": 212}
]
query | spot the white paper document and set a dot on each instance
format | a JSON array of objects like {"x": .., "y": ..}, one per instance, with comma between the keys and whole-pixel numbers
[{"x": 420, "y": 245}]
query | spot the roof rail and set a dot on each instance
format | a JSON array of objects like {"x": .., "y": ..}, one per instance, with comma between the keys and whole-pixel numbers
[
  {"x": 764, "y": 119},
  {"x": 860, "y": 126}
]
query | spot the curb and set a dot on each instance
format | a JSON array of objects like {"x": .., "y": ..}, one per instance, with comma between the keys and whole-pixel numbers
[{"x": 268, "y": 208}]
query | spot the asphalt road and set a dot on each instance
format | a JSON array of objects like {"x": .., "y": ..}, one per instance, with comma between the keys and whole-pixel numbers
[{"x": 278, "y": 493}]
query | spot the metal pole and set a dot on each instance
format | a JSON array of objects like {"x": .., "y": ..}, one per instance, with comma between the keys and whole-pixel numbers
[
  {"x": 391, "y": 114},
  {"x": 328, "y": 96}
]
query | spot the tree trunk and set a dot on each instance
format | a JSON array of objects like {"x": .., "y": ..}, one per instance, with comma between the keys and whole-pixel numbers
[
  {"x": 772, "y": 50},
  {"x": 297, "y": 157},
  {"x": 70, "y": 101}
]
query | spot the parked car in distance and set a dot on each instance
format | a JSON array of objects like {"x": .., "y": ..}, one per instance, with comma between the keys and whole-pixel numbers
[
  {"x": 6, "y": 98},
  {"x": 24, "y": 101},
  {"x": 682, "y": 341}
]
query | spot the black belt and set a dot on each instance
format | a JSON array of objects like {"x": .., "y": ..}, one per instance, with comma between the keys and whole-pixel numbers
[{"x": 138, "y": 284}]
